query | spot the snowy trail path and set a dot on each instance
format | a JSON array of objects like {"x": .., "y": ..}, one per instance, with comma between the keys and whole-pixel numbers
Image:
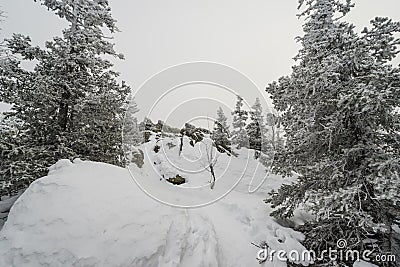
[{"x": 93, "y": 214}]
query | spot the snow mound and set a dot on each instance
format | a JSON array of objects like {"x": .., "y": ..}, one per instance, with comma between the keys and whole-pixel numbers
[{"x": 93, "y": 214}]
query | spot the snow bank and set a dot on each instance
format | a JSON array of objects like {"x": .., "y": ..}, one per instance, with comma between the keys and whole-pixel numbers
[{"x": 93, "y": 214}]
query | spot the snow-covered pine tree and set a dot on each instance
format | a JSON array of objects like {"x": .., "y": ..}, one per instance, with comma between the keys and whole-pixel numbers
[
  {"x": 342, "y": 131},
  {"x": 14, "y": 168},
  {"x": 256, "y": 128},
  {"x": 6, "y": 62},
  {"x": 10, "y": 72},
  {"x": 221, "y": 134},
  {"x": 2, "y": 58},
  {"x": 71, "y": 105},
  {"x": 239, "y": 134},
  {"x": 2, "y": 48},
  {"x": 14, "y": 174},
  {"x": 272, "y": 122},
  {"x": 270, "y": 140},
  {"x": 131, "y": 134}
]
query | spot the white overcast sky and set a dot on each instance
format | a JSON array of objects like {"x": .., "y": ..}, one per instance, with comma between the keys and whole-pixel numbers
[{"x": 254, "y": 37}]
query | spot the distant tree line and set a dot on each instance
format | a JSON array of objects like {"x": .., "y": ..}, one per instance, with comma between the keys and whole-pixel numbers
[{"x": 251, "y": 129}]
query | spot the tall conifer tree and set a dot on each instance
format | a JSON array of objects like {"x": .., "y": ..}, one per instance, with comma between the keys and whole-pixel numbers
[
  {"x": 239, "y": 134},
  {"x": 221, "y": 134},
  {"x": 342, "y": 130},
  {"x": 71, "y": 104}
]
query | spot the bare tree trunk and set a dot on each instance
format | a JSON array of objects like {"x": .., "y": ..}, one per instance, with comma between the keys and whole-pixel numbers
[
  {"x": 213, "y": 176},
  {"x": 181, "y": 145}
]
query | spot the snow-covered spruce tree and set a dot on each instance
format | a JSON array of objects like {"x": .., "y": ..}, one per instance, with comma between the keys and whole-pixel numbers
[
  {"x": 272, "y": 122},
  {"x": 2, "y": 48},
  {"x": 14, "y": 174},
  {"x": 71, "y": 104},
  {"x": 131, "y": 134},
  {"x": 14, "y": 170},
  {"x": 256, "y": 128},
  {"x": 239, "y": 134},
  {"x": 221, "y": 134},
  {"x": 270, "y": 139},
  {"x": 5, "y": 63},
  {"x": 342, "y": 131},
  {"x": 11, "y": 74}
]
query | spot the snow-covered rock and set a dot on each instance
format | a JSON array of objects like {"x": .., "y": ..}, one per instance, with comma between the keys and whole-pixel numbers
[{"x": 5, "y": 206}]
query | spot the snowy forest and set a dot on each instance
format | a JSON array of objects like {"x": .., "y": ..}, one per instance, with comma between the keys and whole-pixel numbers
[{"x": 85, "y": 181}]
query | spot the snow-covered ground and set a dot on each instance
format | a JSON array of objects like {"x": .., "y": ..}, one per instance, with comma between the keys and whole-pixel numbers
[{"x": 94, "y": 214}]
